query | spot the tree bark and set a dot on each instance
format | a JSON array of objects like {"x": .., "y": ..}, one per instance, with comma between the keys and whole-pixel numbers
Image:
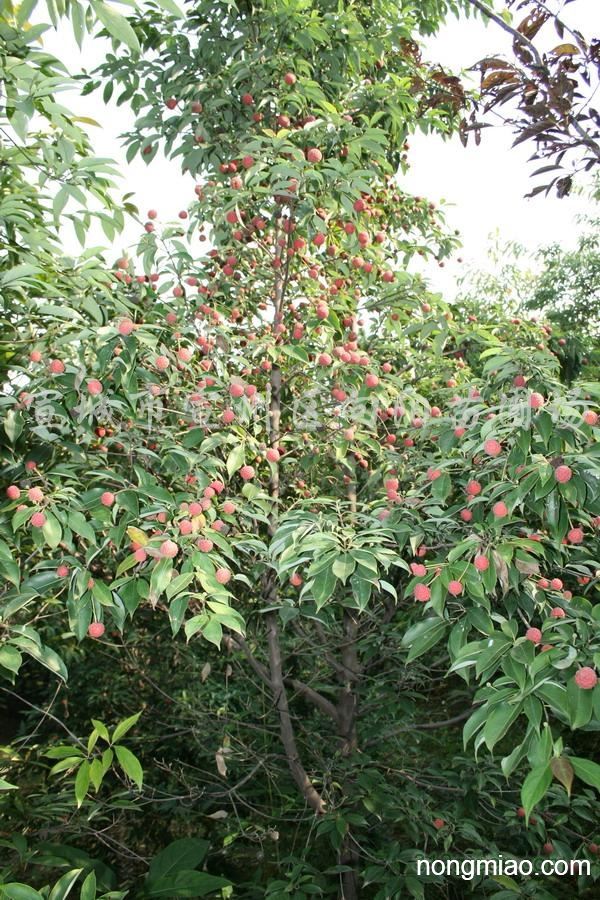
[{"x": 271, "y": 593}]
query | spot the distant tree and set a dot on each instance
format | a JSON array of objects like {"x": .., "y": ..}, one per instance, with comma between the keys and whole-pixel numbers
[{"x": 558, "y": 284}]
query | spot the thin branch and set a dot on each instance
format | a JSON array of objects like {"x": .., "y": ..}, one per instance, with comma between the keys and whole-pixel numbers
[
  {"x": 45, "y": 713},
  {"x": 516, "y": 35}
]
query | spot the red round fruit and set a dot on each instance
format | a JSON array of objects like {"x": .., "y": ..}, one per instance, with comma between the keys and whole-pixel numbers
[
  {"x": 563, "y": 474},
  {"x": 534, "y": 635},
  {"x": 96, "y": 629},
  {"x": 169, "y": 549},
  {"x": 586, "y": 678},
  {"x": 422, "y": 593}
]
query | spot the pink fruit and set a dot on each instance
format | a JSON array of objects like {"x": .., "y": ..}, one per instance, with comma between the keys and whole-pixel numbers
[
  {"x": 289, "y": 78},
  {"x": 586, "y": 678},
  {"x": 455, "y": 588},
  {"x": 536, "y": 401},
  {"x": 185, "y": 526},
  {"x": 466, "y": 515},
  {"x": 296, "y": 580},
  {"x": 314, "y": 155},
  {"x": 492, "y": 447},
  {"x": 556, "y": 584},
  {"x": 590, "y": 417},
  {"x": 563, "y": 474},
  {"x": 204, "y": 545},
  {"x": 473, "y": 488},
  {"x": 35, "y": 356},
  {"x": 575, "y": 535},
  {"x": 223, "y": 576},
  {"x": 500, "y": 509},
  {"x": 236, "y": 390},
  {"x": 247, "y": 472},
  {"x": 38, "y": 520},
  {"x": 57, "y": 366},
  {"x": 227, "y": 416},
  {"x": 459, "y": 431},
  {"x": 418, "y": 569},
  {"x": 557, "y": 613},
  {"x": 169, "y": 549},
  {"x": 94, "y": 387},
  {"x": 438, "y": 823},
  {"x": 481, "y": 563},
  {"x": 35, "y": 494},
  {"x": 371, "y": 380},
  {"x": 433, "y": 474},
  {"x": 272, "y": 455},
  {"x": 229, "y": 508},
  {"x": 107, "y": 498},
  {"x": 534, "y": 635},
  {"x": 519, "y": 381},
  {"x": 96, "y": 629},
  {"x": 422, "y": 593},
  {"x": 140, "y": 555},
  {"x": 161, "y": 363},
  {"x": 13, "y": 492},
  {"x": 62, "y": 571},
  {"x": 126, "y": 326},
  {"x": 324, "y": 359}
]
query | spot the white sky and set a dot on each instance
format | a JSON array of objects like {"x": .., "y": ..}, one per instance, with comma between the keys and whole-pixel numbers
[{"x": 484, "y": 185}]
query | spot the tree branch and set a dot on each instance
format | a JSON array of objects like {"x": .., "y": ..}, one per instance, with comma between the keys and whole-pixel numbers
[{"x": 516, "y": 35}]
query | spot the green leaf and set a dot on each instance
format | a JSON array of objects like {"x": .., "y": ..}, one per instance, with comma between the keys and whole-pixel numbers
[
  {"x": 88, "y": 888},
  {"x": 587, "y": 770},
  {"x": 13, "y": 425},
  {"x": 188, "y": 883},
  {"x": 171, "y": 7},
  {"x": 161, "y": 576},
  {"x": 130, "y": 765},
  {"x": 17, "y": 891},
  {"x": 47, "y": 658},
  {"x": 10, "y": 658},
  {"x": 535, "y": 787},
  {"x": 185, "y": 853},
  {"x": 343, "y": 566},
  {"x": 235, "y": 459},
  {"x": 423, "y": 636},
  {"x": 124, "y": 726},
  {"x": 580, "y": 705},
  {"x": 499, "y": 721},
  {"x": 116, "y": 25},
  {"x": 7, "y": 786},
  {"x": 52, "y": 531},
  {"x": 323, "y": 586},
  {"x": 82, "y": 782},
  {"x": 64, "y": 885}
]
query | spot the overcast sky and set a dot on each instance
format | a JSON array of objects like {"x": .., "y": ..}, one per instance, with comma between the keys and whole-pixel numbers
[{"x": 484, "y": 186}]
